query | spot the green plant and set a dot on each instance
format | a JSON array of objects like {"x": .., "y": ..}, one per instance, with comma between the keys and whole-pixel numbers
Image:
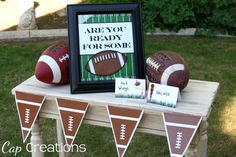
[
  {"x": 206, "y": 15},
  {"x": 109, "y": 1},
  {"x": 169, "y": 14},
  {"x": 211, "y": 15}
]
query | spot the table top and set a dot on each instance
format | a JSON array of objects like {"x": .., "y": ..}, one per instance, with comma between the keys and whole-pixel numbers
[{"x": 197, "y": 97}]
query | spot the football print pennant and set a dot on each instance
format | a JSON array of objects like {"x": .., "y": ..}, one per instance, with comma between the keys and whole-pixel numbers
[
  {"x": 28, "y": 107},
  {"x": 124, "y": 123},
  {"x": 180, "y": 130},
  {"x": 71, "y": 115}
]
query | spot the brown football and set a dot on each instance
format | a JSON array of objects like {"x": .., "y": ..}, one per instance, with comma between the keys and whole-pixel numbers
[
  {"x": 106, "y": 63},
  {"x": 169, "y": 68},
  {"x": 53, "y": 65}
]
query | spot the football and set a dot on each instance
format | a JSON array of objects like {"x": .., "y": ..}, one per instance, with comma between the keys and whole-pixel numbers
[
  {"x": 106, "y": 63},
  {"x": 53, "y": 65},
  {"x": 167, "y": 68}
]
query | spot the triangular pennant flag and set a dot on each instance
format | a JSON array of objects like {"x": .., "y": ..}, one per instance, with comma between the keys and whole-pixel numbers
[
  {"x": 28, "y": 107},
  {"x": 124, "y": 123},
  {"x": 71, "y": 115},
  {"x": 180, "y": 130}
]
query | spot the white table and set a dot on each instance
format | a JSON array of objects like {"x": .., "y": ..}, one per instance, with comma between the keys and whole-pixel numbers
[{"x": 197, "y": 99}]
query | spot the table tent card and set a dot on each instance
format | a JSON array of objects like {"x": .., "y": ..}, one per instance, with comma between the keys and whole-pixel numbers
[
  {"x": 163, "y": 95},
  {"x": 124, "y": 122},
  {"x": 130, "y": 88},
  {"x": 71, "y": 115},
  {"x": 28, "y": 107},
  {"x": 180, "y": 130}
]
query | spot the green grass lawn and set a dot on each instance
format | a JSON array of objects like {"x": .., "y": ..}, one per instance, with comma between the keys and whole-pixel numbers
[{"x": 209, "y": 59}]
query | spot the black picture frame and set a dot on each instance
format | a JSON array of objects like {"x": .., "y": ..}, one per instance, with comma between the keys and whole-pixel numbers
[{"x": 82, "y": 81}]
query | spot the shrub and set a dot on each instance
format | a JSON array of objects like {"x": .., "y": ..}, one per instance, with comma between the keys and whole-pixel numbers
[
  {"x": 205, "y": 15},
  {"x": 168, "y": 14}
]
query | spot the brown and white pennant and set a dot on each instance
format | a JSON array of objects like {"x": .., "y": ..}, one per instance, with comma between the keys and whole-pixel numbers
[
  {"x": 180, "y": 130},
  {"x": 124, "y": 123},
  {"x": 71, "y": 115},
  {"x": 28, "y": 107}
]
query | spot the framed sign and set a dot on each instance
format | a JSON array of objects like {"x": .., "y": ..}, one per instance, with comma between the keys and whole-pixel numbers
[{"x": 105, "y": 42}]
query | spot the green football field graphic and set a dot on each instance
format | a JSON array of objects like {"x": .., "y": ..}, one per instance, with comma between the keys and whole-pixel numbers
[
  {"x": 108, "y": 18},
  {"x": 128, "y": 70}
]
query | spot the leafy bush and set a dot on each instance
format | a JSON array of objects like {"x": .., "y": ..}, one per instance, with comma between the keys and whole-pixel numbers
[
  {"x": 168, "y": 14},
  {"x": 206, "y": 15},
  {"x": 109, "y": 1}
]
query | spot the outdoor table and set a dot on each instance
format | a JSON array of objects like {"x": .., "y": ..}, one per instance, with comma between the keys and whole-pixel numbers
[{"x": 196, "y": 99}]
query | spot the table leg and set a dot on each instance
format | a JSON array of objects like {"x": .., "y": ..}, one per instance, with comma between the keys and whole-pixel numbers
[
  {"x": 61, "y": 139},
  {"x": 36, "y": 140},
  {"x": 198, "y": 147},
  {"x": 203, "y": 140}
]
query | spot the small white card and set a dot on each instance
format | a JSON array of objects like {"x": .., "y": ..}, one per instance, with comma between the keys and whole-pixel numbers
[
  {"x": 130, "y": 88},
  {"x": 163, "y": 95}
]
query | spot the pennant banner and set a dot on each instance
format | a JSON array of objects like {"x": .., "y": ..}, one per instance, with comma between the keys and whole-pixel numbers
[
  {"x": 71, "y": 115},
  {"x": 124, "y": 123},
  {"x": 180, "y": 130},
  {"x": 28, "y": 107}
]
